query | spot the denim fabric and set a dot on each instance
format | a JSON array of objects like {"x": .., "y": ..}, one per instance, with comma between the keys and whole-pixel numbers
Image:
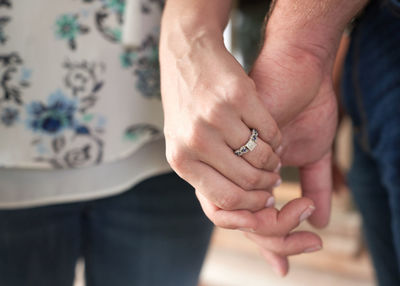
[
  {"x": 154, "y": 234},
  {"x": 372, "y": 200},
  {"x": 371, "y": 93}
]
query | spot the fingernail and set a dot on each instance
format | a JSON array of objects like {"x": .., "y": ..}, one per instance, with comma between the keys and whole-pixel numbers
[
  {"x": 270, "y": 202},
  {"x": 306, "y": 213},
  {"x": 278, "y": 168},
  {"x": 278, "y": 183},
  {"x": 279, "y": 150},
  {"x": 312, "y": 249},
  {"x": 247, "y": 229}
]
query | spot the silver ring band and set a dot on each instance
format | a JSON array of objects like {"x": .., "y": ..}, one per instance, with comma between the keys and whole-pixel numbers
[{"x": 249, "y": 146}]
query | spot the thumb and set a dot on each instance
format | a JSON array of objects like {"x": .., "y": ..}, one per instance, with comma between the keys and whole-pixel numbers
[{"x": 316, "y": 184}]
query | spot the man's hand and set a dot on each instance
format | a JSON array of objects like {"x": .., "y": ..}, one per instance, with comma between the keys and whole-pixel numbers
[
  {"x": 293, "y": 78},
  {"x": 298, "y": 92}
]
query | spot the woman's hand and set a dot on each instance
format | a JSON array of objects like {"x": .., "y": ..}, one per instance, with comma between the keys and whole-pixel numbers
[{"x": 210, "y": 107}]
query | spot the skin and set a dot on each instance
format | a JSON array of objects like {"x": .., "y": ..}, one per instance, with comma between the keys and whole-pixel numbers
[
  {"x": 293, "y": 78},
  {"x": 209, "y": 114},
  {"x": 210, "y": 105}
]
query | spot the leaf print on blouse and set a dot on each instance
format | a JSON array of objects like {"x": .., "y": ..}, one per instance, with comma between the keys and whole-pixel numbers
[
  {"x": 72, "y": 151},
  {"x": 68, "y": 28},
  {"x": 54, "y": 117},
  {"x": 83, "y": 80},
  {"x": 3, "y": 22},
  {"x": 14, "y": 78},
  {"x": 109, "y": 20},
  {"x": 144, "y": 63},
  {"x": 9, "y": 116},
  {"x": 143, "y": 131}
]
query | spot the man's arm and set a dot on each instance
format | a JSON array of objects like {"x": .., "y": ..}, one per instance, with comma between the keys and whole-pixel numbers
[
  {"x": 293, "y": 77},
  {"x": 315, "y": 26},
  {"x": 307, "y": 33}
]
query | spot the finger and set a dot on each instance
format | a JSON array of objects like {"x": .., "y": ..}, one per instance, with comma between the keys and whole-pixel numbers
[
  {"x": 236, "y": 134},
  {"x": 316, "y": 184},
  {"x": 261, "y": 157},
  {"x": 279, "y": 223},
  {"x": 250, "y": 108},
  {"x": 291, "y": 244},
  {"x": 279, "y": 264},
  {"x": 255, "y": 115},
  {"x": 240, "y": 219},
  {"x": 234, "y": 168},
  {"x": 222, "y": 192}
]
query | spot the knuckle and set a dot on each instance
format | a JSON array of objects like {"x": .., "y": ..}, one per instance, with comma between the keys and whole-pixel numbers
[
  {"x": 274, "y": 131},
  {"x": 237, "y": 93},
  {"x": 194, "y": 139},
  {"x": 229, "y": 202},
  {"x": 265, "y": 158},
  {"x": 252, "y": 180},
  {"x": 212, "y": 114},
  {"x": 176, "y": 157}
]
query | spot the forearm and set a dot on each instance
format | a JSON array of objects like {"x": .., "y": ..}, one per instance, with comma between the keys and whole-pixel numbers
[
  {"x": 315, "y": 26},
  {"x": 186, "y": 21}
]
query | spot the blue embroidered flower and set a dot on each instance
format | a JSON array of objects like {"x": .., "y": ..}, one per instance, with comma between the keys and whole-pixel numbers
[
  {"x": 9, "y": 116},
  {"x": 54, "y": 117}
]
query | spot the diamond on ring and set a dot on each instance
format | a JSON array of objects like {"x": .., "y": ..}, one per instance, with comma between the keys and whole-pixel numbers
[{"x": 249, "y": 146}]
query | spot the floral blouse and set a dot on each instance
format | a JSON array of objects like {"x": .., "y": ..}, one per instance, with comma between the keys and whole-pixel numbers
[{"x": 72, "y": 94}]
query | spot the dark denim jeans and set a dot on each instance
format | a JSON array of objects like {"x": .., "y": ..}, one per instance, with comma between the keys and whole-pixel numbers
[
  {"x": 371, "y": 93},
  {"x": 155, "y": 234}
]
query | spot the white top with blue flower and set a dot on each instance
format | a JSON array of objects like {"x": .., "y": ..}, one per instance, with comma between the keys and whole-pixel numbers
[{"x": 73, "y": 98}]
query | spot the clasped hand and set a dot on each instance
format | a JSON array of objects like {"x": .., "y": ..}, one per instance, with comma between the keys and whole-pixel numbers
[{"x": 211, "y": 105}]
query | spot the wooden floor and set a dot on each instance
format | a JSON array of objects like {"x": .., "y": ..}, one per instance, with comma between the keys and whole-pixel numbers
[
  {"x": 243, "y": 266},
  {"x": 232, "y": 260},
  {"x": 224, "y": 268}
]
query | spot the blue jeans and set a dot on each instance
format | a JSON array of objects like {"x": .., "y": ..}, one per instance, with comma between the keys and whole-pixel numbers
[
  {"x": 371, "y": 93},
  {"x": 154, "y": 234}
]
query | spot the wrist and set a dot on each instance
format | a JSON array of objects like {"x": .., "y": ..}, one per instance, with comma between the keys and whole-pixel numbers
[
  {"x": 312, "y": 26},
  {"x": 317, "y": 45},
  {"x": 180, "y": 36},
  {"x": 187, "y": 22}
]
